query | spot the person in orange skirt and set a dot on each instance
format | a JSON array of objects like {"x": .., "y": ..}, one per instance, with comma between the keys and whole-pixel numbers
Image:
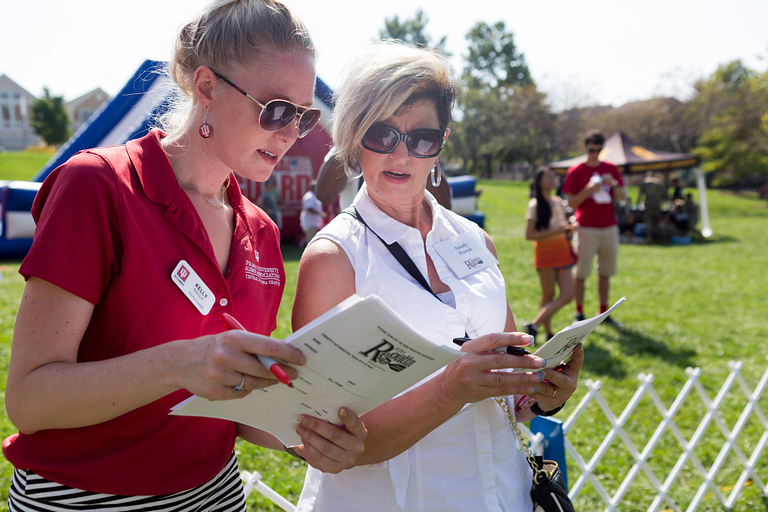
[{"x": 553, "y": 256}]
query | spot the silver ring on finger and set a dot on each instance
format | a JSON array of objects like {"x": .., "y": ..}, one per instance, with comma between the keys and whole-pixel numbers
[
  {"x": 239, "y": 387},
  {"x": 554, "y": 392}
]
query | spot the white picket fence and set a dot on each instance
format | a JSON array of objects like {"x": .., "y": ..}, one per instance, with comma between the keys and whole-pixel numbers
[
  {"x": 617, "y": 433},
  {"x": 688, "y": 458},
  {"x": 252, "y": 482}
]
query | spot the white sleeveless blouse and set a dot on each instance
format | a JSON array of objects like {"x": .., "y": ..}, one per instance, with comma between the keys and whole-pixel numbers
[{"x": 471, "y": 462}]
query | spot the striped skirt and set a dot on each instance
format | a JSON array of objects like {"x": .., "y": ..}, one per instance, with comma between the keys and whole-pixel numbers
[{"x": 30, "y": 492}]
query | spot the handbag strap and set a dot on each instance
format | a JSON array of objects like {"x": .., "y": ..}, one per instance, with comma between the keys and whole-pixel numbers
[{"x": 538, "y": 469}]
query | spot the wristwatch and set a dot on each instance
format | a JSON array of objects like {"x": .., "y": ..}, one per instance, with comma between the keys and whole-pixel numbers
[{"x": 535, "y": 409}]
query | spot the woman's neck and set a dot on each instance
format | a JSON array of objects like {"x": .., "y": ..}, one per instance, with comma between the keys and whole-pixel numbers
[
  {"x": 416, "y": 215},
  {"x": 194, "y": 168}
]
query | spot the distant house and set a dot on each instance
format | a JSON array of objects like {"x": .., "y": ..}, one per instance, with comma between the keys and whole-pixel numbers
[
  {"x": 80, "y": 109},
  {"x": 15, "y": 106}
]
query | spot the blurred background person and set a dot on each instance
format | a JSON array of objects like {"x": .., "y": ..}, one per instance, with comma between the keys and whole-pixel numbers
[
  {"x": 553, "y": 256},
  {"x": 677, "y": 189},
  {"x": 652, "y": 194},
  {"x": 679, "y": 220},
  {"x": 269, "y": 201},
  {"x": 591, "y": 188},
  {"x": 693, "y": 213},
  {"x": 312, "y": 216}
]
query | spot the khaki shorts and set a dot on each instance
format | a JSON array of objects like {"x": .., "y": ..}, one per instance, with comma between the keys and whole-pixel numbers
[{"x": 601, "y": 241}]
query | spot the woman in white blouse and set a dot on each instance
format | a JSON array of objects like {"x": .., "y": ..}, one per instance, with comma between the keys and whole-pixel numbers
[{"x": 444, "y": 444}]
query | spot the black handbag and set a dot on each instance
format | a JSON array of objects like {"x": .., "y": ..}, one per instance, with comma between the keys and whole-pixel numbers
[{"x": 548, "y": 490}]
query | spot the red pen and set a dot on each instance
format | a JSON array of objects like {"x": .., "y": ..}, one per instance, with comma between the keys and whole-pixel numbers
[{"x": 232, "y": 324}]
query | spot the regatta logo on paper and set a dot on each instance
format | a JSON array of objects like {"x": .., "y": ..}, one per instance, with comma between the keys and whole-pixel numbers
[
  {"x": 264, "y": 275},
  {"x": 182, "y": 273},
  {"x": 473, "y": 263},
  {"x": 385, "y": 354}
]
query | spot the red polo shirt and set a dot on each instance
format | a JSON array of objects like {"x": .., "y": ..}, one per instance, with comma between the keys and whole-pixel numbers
[
  {"x": 112, "y": 224},
  {"x": 590, "y": 214}
]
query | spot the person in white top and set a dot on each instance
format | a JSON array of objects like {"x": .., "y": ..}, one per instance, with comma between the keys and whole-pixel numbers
[
  {"x": 312, "y": 215},
  {"x": 444, "y": 444}
]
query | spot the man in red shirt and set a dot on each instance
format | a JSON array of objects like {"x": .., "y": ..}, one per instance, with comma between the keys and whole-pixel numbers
[{"x": 591, "y": 188}]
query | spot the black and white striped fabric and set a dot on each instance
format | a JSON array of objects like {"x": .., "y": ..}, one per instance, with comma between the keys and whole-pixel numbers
[{"x": 30, "y": 492}]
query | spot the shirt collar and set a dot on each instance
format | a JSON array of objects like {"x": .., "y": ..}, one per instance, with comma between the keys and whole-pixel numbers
[
  {"x": 389, "y": 229},
  {"x": 153, "y": 167},
  {"x": 160, "y": 184}
]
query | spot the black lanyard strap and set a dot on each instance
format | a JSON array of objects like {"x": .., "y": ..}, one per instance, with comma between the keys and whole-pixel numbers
[
  {"x": 398, "y": 252},
  {"x": 401, "y": 256}
]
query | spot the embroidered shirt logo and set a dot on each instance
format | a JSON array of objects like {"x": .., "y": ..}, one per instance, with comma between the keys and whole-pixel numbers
[{"x": 263, "y": 275}]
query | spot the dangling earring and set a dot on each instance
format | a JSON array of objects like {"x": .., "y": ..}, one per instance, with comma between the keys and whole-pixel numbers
[
  {"x": 354, "y": 167},
  {"x": 206, "y": 130},
  {"x": 436, "y": 170}
]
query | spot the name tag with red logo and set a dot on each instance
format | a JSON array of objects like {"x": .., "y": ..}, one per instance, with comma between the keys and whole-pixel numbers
[
  {"x": 465, "y": 254},
  {"x": 193, "y": 287}
]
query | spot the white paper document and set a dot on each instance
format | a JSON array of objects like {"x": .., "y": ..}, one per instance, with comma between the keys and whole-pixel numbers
[
  {"x": 359, "y": 355},
  {"x": 560, "y": 346}
]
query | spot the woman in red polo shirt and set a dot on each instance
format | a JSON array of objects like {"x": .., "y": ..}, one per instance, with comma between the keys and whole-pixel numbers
[{"x": 139, "y": 250}]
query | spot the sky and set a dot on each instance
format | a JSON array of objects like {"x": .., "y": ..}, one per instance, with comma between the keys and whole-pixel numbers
[{"x": 602, "y": 52}]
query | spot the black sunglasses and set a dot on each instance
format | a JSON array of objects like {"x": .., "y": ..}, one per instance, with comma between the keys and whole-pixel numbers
[
  {"x": 277, "y": 114},
  {"x": 422, "y": 143},
  {"x": 594, "y": 150}
]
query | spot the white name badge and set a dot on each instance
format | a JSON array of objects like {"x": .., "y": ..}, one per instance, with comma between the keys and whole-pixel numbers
[
  {"x": 193, "y": 287},
  {"x": 465, "y": 254}
]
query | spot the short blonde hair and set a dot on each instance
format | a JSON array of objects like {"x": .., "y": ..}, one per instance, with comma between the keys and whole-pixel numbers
[
  {"x": 228, "y": 33},
  {"x": 387, "y": 77}
]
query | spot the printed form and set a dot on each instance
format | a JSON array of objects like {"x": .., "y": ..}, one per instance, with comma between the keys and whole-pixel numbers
[
  {"x": 359, "y": 355},
  {"x": 561, "y": 345}
]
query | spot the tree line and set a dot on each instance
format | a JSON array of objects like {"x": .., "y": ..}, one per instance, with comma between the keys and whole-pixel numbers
[{"x": 502, "y": 117}]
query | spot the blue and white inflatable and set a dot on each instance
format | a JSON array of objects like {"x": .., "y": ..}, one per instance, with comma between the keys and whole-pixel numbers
[
  {"x": 127, "y": 116},
  {"x": 130, "y": 114},
  {"x": 123, "y": 118}
]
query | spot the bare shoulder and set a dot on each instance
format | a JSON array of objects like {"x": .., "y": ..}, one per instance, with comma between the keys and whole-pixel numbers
[
  {"x": 325, "y": 255},
  {"x": 326, "y": 277},
  {"x": 489, "y": 243}
]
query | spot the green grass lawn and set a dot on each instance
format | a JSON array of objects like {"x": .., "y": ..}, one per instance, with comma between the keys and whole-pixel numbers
[
  {"x": 700, "y": 305},
  {"x": 21, "y": 165}
]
